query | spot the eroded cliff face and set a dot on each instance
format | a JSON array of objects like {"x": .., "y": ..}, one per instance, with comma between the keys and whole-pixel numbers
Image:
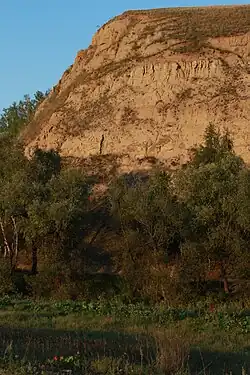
[{"x": 147, "y": 87}]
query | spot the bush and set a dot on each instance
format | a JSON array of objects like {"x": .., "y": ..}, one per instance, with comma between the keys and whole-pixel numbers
[
  {"x": 6, "y": 284},
  {"x": 51, "y": 282}
]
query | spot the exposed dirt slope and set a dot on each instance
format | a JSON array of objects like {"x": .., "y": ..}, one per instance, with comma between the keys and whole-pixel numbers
[{"x": 147, "y": 87}]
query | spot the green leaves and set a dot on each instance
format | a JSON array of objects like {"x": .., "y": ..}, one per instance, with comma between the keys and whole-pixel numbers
[
  {"x": 44, "y": 165},
  {"x": 216, "y": 146},
  {"x": 214, "y": 186},
  {"x": 150, "y": 210},
  {"x": 199, "y": 215},
  {"x": 44, "y": 201},
  {"x": 15, "y": 117}
]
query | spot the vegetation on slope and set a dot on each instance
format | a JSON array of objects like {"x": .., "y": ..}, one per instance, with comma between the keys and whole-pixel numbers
[
  {"x": 194, "y": 26},
  {"x": 14, "y": 118}
]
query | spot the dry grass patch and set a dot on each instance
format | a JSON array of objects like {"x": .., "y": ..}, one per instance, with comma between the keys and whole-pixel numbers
[
  {"x": 172, "y": 351},
  {"x": 194, "y": 26}
]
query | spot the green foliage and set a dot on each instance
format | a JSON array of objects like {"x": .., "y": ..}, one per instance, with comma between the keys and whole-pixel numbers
[
  {"x": 210, "y": 186},
  {"x": 42, "y": 207},
  {"x": 11, "y": 156},
  {"x": 44, "y": 165},
  {"x": 14, "y": 118},
  {"x": 216, "y": 146},
  {"x": 6, "y": 285},
  {"x": 139, "y": 313},
  {"x": 199, "y": 226},
  {"x": 150, "y": 219}
]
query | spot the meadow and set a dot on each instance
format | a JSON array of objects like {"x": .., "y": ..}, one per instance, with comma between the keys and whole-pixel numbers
[{"x": 113, "y": 338}]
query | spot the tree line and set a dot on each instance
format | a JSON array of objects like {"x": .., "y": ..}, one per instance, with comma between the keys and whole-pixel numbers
[{"x": 171, "y": 230}]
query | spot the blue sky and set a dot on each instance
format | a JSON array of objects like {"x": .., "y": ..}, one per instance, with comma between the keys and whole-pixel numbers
[{"x": 40, "y": 38}]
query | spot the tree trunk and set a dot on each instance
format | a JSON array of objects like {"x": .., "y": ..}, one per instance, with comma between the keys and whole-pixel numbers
[
  {"x": 225, "y": 284},
  {"x": 225, "y": 280},
  {"x": 34, "y": 260},
  {"x": 10, "y": 250},
  {"x": 14, "y": 247}
]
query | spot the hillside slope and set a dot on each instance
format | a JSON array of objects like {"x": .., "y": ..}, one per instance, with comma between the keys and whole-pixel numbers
[{"x": 148, "y": 85}]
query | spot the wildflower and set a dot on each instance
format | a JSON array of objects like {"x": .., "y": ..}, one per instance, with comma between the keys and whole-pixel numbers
[
  {"x": 55, "y": 358},
  {"x": 211, "y": 307},
  {"x": 108, "y": 319},
  {"x": 61, "y": 358}
]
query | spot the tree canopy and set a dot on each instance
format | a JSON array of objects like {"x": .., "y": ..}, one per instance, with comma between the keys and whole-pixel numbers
[{"x": 16, "y": 116}]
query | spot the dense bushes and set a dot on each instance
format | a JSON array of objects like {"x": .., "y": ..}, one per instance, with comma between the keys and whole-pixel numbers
[
  {"x": 171, "y": 231},
  {"x": 196, "y": 219},
  {"x": 6, "y": 285}
]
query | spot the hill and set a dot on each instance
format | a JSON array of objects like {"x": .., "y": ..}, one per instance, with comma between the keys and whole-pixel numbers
[{"x": 146, "y": 88}]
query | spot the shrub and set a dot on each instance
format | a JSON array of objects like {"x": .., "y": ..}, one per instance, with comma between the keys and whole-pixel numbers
[
  {"x": 6, "y": 284},
  {"x": 50, "y": 282}
]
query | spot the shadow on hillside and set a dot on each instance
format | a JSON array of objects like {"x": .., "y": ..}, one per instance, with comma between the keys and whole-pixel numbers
[
  {"x": 105, "y": 168},
  {"x": 42, "y": 344}
]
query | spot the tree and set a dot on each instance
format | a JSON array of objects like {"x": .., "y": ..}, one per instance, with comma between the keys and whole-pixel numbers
[
  {"x": 209, "y": 186},
  {"x": 65, "y": 211},
  {"x": 41, "y": 204},
  {"x": 216, "y": 146},
  {"x": 12, "y": 162},
  {"x": 56, "y": 225},
  {"x": 149, "y": 217},
  {"x": 40, "y": 170},
  {"x": 17, "y": 115},
  {"x": 43, "y": 166}
]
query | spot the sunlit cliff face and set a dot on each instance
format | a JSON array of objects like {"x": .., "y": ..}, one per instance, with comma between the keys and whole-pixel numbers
[{"x": 148, "y": 86}]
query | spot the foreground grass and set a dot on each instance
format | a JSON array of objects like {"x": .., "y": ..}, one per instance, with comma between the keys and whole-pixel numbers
[{"x": 126, "y": 342}]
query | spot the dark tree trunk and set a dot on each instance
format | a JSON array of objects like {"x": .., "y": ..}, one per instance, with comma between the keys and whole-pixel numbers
[
  {"x": 34, "y": 260},
  {"x": 225, "y": 280},
  {"x": 12, "y": 265},
  {"x": 225, "y": 284}
]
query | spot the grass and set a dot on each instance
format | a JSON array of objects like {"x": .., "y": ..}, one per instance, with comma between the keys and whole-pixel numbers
[
  {"x": 199, "y": 22},
  {"x": 123, "y": 339}
]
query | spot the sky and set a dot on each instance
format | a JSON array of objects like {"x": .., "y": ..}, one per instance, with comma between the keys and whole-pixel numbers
[{"x": 39, "y": 39}]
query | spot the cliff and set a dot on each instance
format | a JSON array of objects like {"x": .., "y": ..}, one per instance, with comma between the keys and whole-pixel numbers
[{"x": 145, "y": 89}]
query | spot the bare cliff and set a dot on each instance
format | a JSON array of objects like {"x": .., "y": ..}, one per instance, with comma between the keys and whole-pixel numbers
[{"x": 148, "y": 85}]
